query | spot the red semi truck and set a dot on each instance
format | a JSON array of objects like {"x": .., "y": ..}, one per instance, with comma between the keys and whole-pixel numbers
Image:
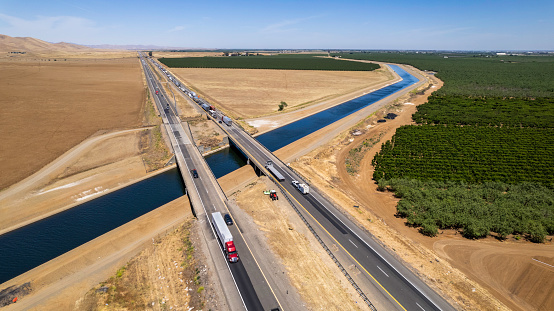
[{"x": 225, "y": 237}]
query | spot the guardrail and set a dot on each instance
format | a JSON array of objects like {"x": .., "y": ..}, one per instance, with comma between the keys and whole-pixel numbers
[
  {"x": 329, "y": 252},
  {"x": 209, "y": 168},
  {"x": 321, "y": 242}
]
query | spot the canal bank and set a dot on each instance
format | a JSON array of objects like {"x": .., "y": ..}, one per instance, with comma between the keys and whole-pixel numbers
[
  {"x": 222, "y": 161},
  {"x": 57, "y": 284}
]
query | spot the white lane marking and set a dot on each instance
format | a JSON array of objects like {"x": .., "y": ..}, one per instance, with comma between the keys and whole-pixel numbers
[
  {"x": 420, "y": 306},
  {"x": 213, "y": 206},
  {"x": 353, "y": 243},
  {"x": 543, "y": 263},
  {"x": 378, "y": 254},
  {"x": 384, "y": 272}
]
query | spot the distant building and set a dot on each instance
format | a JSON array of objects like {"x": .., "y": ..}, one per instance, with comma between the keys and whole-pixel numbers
[{"x": 500, "y": 53}]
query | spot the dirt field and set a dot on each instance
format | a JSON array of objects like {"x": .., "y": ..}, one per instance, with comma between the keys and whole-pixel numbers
[
  {"x": 248, "y": 93},
  {"x": 98, "y": 165},
  {"x": 161, "y": 54},
  {"x": 502, "y": 269},
  {"x": 48, "y": 107}
]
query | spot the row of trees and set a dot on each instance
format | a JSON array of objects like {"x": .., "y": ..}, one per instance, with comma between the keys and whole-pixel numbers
[
  {"x": 479, "y": 75},
  {"x": 524, "y": 209},
  {"x": 487, "y": 111},
  {"x": 471, "y": 154},
  {"x": 490, "y": 124}
]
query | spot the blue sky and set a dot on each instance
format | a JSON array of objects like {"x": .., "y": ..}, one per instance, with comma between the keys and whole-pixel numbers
[{"x": 345, "y": 24}]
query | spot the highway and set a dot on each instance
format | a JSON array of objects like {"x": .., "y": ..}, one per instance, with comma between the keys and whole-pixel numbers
[
  {"x": 401, "y": 286},
  {"x": 395, "y": 282},
  {"x": 255, "y": 291}
]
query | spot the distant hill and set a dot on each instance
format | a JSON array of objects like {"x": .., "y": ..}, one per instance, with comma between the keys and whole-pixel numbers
[{"x": 28, "y": 44}]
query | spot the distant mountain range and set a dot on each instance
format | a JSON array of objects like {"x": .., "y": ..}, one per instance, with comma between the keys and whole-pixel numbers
[
  {"x": 28, "y": 44},
  {"x": 136, "y": 47}
]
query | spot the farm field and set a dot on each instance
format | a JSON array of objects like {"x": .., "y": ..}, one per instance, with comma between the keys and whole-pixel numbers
[
  {"x": 248, "y": 93},
  {"x": 475, "y": 273},
  {"x": 479, "y": 74},
  {"x": 488, "y": 123},
  {"x": 280, "y": 62},
  {"x": 496, "y": 111},
  {"x": 50, "y": 106},
  {"x": 468, "y": 154}
]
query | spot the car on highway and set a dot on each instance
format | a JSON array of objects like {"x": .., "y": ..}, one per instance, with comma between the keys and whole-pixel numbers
[
  {"x": 157, "y": 92},
  {"x": 194, "y": 173},
  {"x": 228, "y": 219}
]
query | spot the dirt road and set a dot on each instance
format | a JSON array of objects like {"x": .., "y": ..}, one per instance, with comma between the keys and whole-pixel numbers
[{"x": 107, "y": 161}]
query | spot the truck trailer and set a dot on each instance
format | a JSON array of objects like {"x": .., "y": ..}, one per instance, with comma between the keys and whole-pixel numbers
[
  {"x": 205, "y": 107},
  {"x": 225, "y": 237},
  {"x": 303, "y": 188},
  {"x": 226, "y": 120},
  {"x": 269, "y": 166}
]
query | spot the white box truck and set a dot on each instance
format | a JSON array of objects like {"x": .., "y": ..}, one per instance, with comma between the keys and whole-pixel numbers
[{"x": 303, "y": 188}]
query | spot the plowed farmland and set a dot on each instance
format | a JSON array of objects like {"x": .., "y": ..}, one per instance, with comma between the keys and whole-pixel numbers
[{"x": 50, "y": 106}]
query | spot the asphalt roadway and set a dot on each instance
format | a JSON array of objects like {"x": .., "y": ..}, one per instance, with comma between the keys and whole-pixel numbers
[
  {"x": 395, "y": 282},
  {"x": 255, "y": 291},
  {"x": 405, "y": 290}
]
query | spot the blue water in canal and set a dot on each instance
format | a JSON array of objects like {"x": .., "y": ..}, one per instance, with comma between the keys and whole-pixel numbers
[
  {"x": 292, "y": 132},
  {"x": 226, "y": 161},
  {"x": 30, "y": 246},
  {"x": 37, "y": 243}
]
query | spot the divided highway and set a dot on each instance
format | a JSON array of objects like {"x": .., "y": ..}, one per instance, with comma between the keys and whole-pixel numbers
[
  {"x": 400, "y": 285},
  {"x": 390, "y": 279},
  {"x": 203, "y": 191}
]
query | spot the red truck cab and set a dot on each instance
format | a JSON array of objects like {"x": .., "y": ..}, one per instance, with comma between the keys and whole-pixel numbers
[
  {"x": 231, "y": 251},
  {"x": 156, "y": 92}
]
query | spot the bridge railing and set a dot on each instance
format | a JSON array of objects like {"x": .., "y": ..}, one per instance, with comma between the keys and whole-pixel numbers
[{"x": 209, "y": 168}]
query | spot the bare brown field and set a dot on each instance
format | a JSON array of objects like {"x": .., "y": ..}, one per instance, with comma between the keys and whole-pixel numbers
[
  {"x": 248, "y": 93},
  {"x": 94, "y": 167},
  {"x": 58, "y": 56},
  {"x": 50, "y": 106}
]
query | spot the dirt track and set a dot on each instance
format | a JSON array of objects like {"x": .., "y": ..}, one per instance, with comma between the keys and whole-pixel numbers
[{"x": 98, "y": 164}]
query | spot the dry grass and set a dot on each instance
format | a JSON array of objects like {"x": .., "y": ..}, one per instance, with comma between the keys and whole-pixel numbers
[
  {"x": 155, "y": 153},
  {"x": 166, "y": 275},
  {"x": 309, "y": 269},
  {"x": 50, "y": 106},
  {"x": 184, "y": 54},
  {"x": 247, "y": 93}
]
